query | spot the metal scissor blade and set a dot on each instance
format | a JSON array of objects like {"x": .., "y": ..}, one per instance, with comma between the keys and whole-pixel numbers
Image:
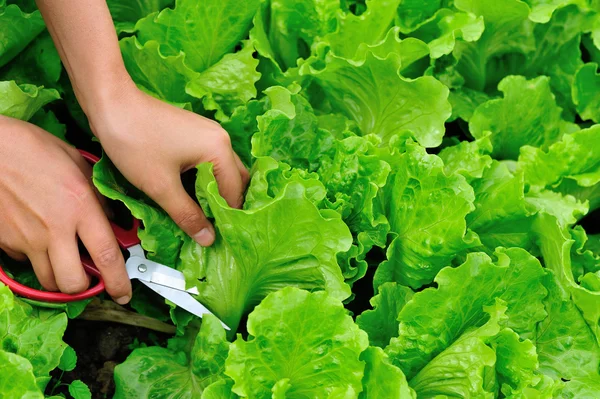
[{"x": 182, "y": 299}]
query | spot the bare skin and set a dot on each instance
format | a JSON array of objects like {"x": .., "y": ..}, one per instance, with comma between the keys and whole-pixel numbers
[{"x": 47, "y": 199}]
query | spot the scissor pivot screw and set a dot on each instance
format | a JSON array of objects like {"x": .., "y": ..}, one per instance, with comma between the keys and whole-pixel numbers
[{"x": 142, "y": 268}]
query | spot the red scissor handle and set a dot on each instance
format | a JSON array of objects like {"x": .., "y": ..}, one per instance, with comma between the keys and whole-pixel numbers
[{"x": 125, "y": 238}]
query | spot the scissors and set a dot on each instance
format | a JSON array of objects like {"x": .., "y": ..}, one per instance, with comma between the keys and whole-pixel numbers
[{"x": 164, "y": 280}]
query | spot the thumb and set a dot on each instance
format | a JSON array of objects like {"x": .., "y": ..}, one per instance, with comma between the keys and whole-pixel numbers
[{"x": 186, "y": 213}]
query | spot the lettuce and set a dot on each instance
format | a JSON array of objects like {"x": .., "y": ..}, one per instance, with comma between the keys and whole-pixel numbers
[{"x": 421, "y": 219}]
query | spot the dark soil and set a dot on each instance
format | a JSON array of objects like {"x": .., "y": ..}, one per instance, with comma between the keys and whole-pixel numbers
[{"x": 100, "y": 346}]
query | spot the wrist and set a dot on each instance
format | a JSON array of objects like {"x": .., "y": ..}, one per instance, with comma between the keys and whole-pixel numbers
[
  {"x": 100, "y": 102},
  {"x": 101, "y": 94}
]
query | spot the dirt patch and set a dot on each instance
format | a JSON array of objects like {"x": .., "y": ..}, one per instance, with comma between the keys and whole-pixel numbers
[{"x": 100, "y": 347}]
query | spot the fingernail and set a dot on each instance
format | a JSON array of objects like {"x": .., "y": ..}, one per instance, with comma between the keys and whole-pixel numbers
[
  {"x": 123, "y": 300},
  {"x": 205, "y": 237}
]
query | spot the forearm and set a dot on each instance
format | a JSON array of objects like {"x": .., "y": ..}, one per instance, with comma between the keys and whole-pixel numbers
[{"x": 86, "y": 40}]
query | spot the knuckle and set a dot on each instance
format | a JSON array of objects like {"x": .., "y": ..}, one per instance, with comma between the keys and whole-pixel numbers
[
  {"x": 78, "y": 189},
  {"x": 188, "y": 218},
  {"x": 108, "y": 255},
  {"x": 222, "y": 137},
  {"x": 155, "y": 187}
]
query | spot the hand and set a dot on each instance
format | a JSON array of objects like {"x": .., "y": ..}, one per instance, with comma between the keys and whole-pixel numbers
[
  {"x": 46, "y": 202},
  {"x": 152, "y": 143}
]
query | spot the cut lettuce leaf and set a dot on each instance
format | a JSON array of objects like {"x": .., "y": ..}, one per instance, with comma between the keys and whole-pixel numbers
[
  {"x": 243, "y": 266},
  {"x": 301, "y": 343},
  {"x": 268, "y": 254}
]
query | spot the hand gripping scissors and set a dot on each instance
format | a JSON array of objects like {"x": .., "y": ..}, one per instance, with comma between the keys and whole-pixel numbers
[{"x": 164, "y": 280}]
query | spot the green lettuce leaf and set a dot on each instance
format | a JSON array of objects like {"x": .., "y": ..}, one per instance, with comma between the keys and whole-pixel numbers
[
  {"x": 49, "y": 122},
  {"x": 462, "y": 293},
  {"x": 426, "y": 210},
  {"x": 302, "y": 343},
  {"x": 222, "y": 389},
  {"x": 413, "y": 13},
  {"x": 368, "y": 28},
  {"x": 204, "y": 31},
  {"x": 567, "y": 209},
  {"x": 462, "y": 369},
  {"x": 585, "y": 92},
  {"x": 555, "y": 243},
  {"x": 23, "y": 101},
  {"x": 542, "y": 10},
  {"x": 289, "y": 130},
  {"x": 581, "y": 388},
  {"x": 565, "y": 345},
  {"x": 37, "y": 64},
  {"x": 294, "y": 26},
  {"x": 506, "y": 31},
  {"x": 516, "y": 362},
  {"x": 446, "y": 27},
  {"x": 227, "y": 84},
  {"x": 17, "y": 30},
  {"x": 16, "y": 377},
  {"x": 268, "y": 253},
  {"x": 34, "y": 334},
  {"x": 381, "y": 323},
  {"x": 165, "y": 77},
  {"x": 241, "y": 126},
  {"x": 382, "y": 379},
  {"x": 379, "y": 104},
  {"x": 561, "y": 59},
  {"x": 512, "y": 125},
  {"x": 468, "y": 158},
  {"x": 126, "y": 13},
  {"x": 575, "y": 158},
  {"x": 165, "y": 373}
]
